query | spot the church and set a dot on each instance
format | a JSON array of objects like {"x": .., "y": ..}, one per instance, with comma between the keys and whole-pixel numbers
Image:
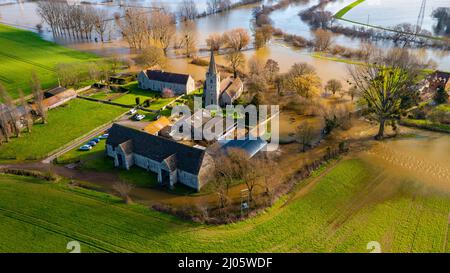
[{"x": 220, "y": 92}]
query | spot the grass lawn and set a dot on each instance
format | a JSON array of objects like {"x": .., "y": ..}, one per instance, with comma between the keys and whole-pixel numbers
[
  {"x": 96, "y": 160},
  {"x": 135, "y": 91},
  {"x": 426, "y": 124},
  {"x": 342, "y": 212},
  {"x": 347, "y": 8},
  {"x": 65, "y": 123},
  {"x": 22, "y": 52}
]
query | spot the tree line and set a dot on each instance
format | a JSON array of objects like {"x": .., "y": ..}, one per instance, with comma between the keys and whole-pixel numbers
[
  {"x": 14, "y": 118},
  {"x": 72, "y": 20}
]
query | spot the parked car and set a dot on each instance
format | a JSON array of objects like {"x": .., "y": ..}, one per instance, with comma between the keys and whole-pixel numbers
[
  {"x": 92, "y": 143},
  {"x": 85, "y": 148},
  {"x": 104, "y": 136},
  {"x": 132, "y": 111},
  {"x": 138, "y": 117},
  {"x": 96, "y": 140}
]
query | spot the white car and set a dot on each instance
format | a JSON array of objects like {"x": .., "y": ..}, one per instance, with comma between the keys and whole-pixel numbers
[
  {"x": 132, "y": 111},
  {"x": 139, "y": 117}
]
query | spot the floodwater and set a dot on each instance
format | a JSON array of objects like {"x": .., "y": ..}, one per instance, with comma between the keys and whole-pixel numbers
[
  {"x": 379, "y": 12},
  {"x": 421, "y": 157},
  {"x": 23, "y": 14},
  {"x": 386, "y": 13}
]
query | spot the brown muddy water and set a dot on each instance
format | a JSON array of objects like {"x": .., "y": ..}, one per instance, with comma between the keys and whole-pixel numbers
[
  {"x": 420, "y": 157},
  {"x": 24, "y": 15}
]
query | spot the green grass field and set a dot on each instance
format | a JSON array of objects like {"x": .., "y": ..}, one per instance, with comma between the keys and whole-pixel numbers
[
  {"x": 22, "y": 52},
  {"x": 342, "y": 212},
  {"x": 347, "y": 8},
  {"x": 135, "y": 91},
  {"x": 96, "y": 160},
  {"x": 65, "y": 123}
]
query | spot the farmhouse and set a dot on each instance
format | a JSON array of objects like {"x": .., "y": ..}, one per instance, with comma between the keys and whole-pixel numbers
[
  {"x": 158, "y": 80},
  {"x": 61, "y": 97},
  {"x": 173, "y": 162},
  {"x": 217, "y": 92}
]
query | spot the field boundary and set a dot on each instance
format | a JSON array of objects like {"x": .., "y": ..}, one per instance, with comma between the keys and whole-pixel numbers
[
  {"x": 347, "y": 8},
  {"x": 339, "y": 16}
]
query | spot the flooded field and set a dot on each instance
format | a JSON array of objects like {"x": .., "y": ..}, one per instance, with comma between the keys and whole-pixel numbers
[
  {"x": 386, "y": 12},
  {"x": 23, "y": 15},
  {"x": 422, "y": 157}
]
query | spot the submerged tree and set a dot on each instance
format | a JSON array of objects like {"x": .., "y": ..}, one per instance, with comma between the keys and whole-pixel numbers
[{"x": 334, "y": 86}]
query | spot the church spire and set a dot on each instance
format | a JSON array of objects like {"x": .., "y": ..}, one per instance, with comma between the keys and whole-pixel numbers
[{"x": 212, "y": 64}]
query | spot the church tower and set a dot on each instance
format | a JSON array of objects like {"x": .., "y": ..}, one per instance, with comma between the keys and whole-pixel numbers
[{"x": 211, "y": 90}]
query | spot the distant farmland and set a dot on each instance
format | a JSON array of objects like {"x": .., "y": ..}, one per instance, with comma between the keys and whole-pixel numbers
[
  {"x": 342, "y": 210},
  {"x": 22, "y": 52}
]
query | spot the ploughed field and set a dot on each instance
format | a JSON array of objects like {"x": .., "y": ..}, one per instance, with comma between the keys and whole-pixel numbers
[
  {"x": 340, "y": 209},
  {"x": 24, "y": 52}
]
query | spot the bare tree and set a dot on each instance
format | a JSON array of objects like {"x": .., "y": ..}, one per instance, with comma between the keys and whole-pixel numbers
[
  {"x": 124, "y": 189},
  {"x": 5, "y": 128},
  {"x": 215, "y": 41},
  {"x": 236, "y": 61},
  {"x": 26, "y": 111},
  {"x": 322, "y": 40},
  {"x": 305, "y": 133},
  {"x": 189, "y": 38},
  {"x": 272, "y": 68},
  {"x": 152, "y": 56},
  {"x": 162, "y": 28},
  {"x": 237, "y": 39},
  {"x": 352, "y": 92},
  {"x": 263, "y": 35},
  {"x": 187, "y": 10},
  {"x": 40, "y": 108},
  {"x": 134, "y": 28},
  {"x": 12, "y": 112},
  {"x": 334, "y": 86},
  {"x": 5, "y": 118},
  {"x": 100, "y": 23}
]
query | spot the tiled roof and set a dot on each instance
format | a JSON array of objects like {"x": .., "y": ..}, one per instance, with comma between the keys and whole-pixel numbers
[
  {"x": 231, "y": 86},
  {"x": 188, "y": 158},
  {"x": 156, "y": 126},
  {"x": 162, "y": 76},
  {"x": 54, "y": 91}
]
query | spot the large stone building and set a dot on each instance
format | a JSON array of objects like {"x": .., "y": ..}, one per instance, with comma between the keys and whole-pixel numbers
[
  {"x": 171, "y": 161},
  {"x": 158, "y": 80},
  {"x": 220, "y": 92}
]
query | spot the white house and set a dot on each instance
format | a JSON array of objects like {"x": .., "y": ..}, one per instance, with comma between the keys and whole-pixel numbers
[
  {"x": 158, "y": 80},
  {"x": 171, "y": 161}
]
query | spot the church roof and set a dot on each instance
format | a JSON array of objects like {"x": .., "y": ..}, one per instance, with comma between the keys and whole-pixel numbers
[
  {"x": 159, "y": 149},
  {"x": 163, "y": 76},
  {"x": 231, "y": 86},
  {"x": 212, "y": 64}
]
